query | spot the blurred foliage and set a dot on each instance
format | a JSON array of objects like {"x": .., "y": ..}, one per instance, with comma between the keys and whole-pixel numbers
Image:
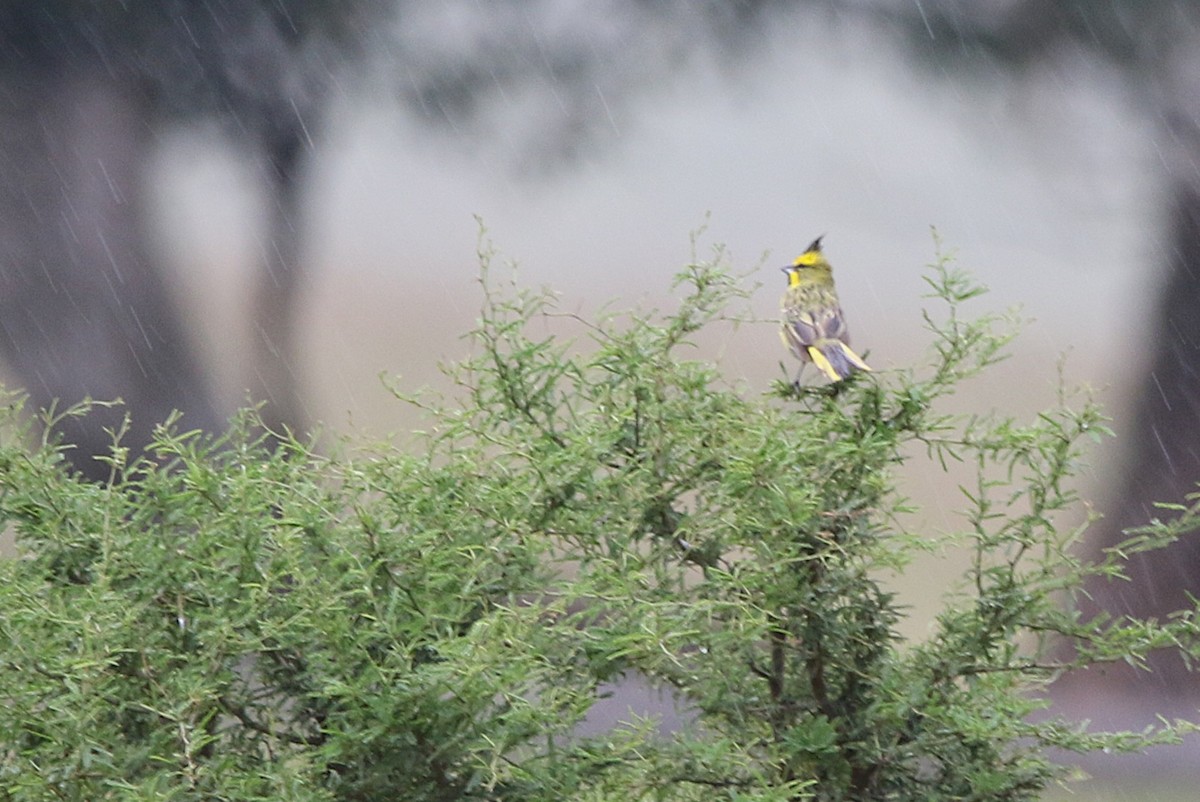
[{"x": 221, "y": 620}]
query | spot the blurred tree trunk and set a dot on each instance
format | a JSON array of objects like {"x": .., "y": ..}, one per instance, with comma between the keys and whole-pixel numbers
[
  {"x": 275, "y": 365},
  {"x": 84, "y": 310}
]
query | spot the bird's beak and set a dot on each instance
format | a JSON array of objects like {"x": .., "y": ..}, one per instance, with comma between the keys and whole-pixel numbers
[{"x": 785, "y": 269}]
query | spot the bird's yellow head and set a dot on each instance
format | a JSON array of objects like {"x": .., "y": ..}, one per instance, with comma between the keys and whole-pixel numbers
[{"x": 808, "y": 265}]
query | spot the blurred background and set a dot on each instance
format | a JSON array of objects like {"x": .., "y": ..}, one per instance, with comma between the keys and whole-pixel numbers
[
  {"x": 298, "y": 191},
  {"x": 1046, "y": 185}
]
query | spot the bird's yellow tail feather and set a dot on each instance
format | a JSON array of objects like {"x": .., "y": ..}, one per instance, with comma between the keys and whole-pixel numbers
[{"x": 835, "y": 359}]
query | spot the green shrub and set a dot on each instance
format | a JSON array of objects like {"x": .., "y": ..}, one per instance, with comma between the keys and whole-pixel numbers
[{"x": 224, "y": 620}]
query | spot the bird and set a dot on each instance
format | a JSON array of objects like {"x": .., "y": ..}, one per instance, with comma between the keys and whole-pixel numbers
[{"x": 813, "y": 325}]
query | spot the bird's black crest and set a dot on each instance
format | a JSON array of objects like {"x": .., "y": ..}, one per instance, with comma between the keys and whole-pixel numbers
[{"x": 816, "y": 244}]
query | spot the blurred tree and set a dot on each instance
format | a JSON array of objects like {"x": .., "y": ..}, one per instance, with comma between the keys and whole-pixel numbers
[{"x": 85, "y": 310}]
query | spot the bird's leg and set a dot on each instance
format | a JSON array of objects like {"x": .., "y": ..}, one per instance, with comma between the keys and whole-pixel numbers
[{"x": 796, "y": 381}]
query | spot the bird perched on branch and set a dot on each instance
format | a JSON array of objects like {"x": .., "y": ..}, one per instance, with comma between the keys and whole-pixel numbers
[{"x": 813, "y": 325}]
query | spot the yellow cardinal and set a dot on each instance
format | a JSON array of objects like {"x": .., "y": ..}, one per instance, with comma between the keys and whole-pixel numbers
[{"x": 814, "y": 327}]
